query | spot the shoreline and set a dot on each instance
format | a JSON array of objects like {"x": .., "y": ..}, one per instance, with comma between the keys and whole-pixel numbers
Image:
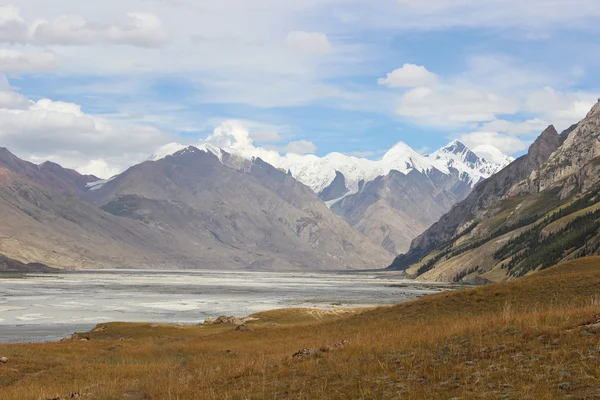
[
  {"x": 48, "y": 307},
  {"x": 52, "y": 335}
]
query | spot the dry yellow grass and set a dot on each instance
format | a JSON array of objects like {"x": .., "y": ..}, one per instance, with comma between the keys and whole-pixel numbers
[{"x": 518, "y": 340}]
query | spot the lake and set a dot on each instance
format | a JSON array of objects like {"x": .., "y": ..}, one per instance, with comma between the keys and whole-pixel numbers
[{"x": 46, "y": 308}]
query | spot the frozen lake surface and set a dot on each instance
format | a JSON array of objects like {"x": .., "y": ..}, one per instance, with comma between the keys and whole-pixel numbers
[{"x": 45, "y": 308}]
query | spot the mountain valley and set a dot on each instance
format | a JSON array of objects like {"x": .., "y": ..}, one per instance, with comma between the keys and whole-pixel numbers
[
  {"x": 539, "y": 211},
  {"x": 205, "y": 207}
]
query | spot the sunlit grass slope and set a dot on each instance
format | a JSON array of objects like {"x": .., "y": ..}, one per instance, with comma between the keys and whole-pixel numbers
[{"x": 531, "y": 338}]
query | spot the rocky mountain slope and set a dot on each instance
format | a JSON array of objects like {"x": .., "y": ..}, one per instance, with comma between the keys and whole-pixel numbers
[
  {"x": 10, "y": 265},
  {"x": 394, "y": 209},
  {"x": 48, "y": 175},
  {"x": 255, "y": 208},
  {"x": 190, "y": 210},
  {"x": 39, "y": 225},
  {"x": 540, "y": 210}
]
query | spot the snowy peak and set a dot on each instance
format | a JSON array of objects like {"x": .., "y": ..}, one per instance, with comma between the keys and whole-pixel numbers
[
  {"x": 460, "y": 151},
  {"x": 457, "y": 156},
  {"x": 492, "y": 155},
  {"x": 403, "y": 158},
  {"x": 400, "y": 149},
  {"x": 319, "y": 173},
  {"x": 167, "y": 150},
  {"x": 172, "y": 149}
]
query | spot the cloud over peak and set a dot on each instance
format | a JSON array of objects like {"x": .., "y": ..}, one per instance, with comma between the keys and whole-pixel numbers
[{"x": 60, "y": 131}]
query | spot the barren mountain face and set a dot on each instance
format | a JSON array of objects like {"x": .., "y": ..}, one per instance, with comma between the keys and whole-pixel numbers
[
  {"x": 188, "y": 211},
  {"x": 394, "y": 209},
  {"x": 538, "y": 211},
  {"x": 48, "y": 175}
]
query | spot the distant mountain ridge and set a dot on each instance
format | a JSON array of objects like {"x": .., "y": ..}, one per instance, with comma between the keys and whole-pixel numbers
[
  {"x": 48, "y": 175},
  {"x": 319, "y": 173},
  {"x": 391, "y": 200},
  {"x": 213, "y": 207}
]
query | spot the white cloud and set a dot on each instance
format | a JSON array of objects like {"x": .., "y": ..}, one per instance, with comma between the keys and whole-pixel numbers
[
  {"x": 99, "y": 168},
  {"x": 242, "y": 54},
  {"x": 532, "y": 126},
  {"x": 482, "y": 98},
  {"x": 409, "y": 75},
  {"x": 300, "y": 147},
  {"x": 534, "y": 17},
  {"x": 12, "y": 61},
  {"x": 13, "y": 29},
  {"x": 562, "y": 108},
  {"x": 508, "y": 144},
  {"x": 62, "y": 132},
  {"x": 309, "y": 42},
  {"x": 267, "y": 135},
  {"x": 454, "y": 105},
  {"x": 559, "y": 108},
  {"x": 232, "y": 135},
  {"x": 137, "y": 29},
  {"x": 10, "y": 100}
]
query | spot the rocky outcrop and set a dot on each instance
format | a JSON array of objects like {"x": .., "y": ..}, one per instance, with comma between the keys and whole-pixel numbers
[
  {"x": 310, "y": 352},
  {"x": 224, "y": 320},
  {"x": 575, "y": 166},
  {"x": 10, "y": 265},
  {"x": 336, "y": 189},
  {"x": 543, "y": 147}
]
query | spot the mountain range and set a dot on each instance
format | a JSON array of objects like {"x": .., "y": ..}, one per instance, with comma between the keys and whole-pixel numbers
[
  {"x": 206, "y": 207},
  {"x": 390, "y": 200},
  {"x": 542, "y": 209}
]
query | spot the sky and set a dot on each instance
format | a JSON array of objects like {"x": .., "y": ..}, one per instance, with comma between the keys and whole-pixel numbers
[{"x": 99, "y": 86}]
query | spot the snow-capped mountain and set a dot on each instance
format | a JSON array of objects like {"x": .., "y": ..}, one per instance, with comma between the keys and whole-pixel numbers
[
  {"x": 411, "y": 192},
  {"x": 390, "y": 200},
  {"x": 173, "y": 148},
  {"x": 493, "y": 156},
  {"x": 473, "y": 166},
  {"x": 320, "y": 173}
]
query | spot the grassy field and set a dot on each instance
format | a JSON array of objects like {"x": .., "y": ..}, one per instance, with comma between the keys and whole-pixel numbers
[{"x": 531, "y": 338}]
